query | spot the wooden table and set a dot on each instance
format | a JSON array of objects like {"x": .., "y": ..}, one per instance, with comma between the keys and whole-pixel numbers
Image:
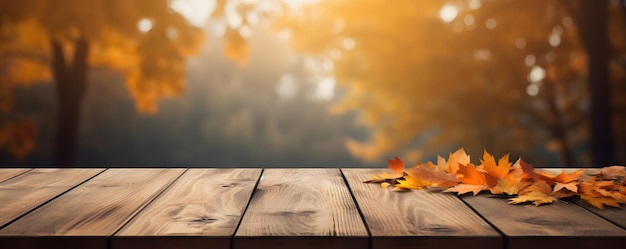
[{"x": 276, "y": 208}]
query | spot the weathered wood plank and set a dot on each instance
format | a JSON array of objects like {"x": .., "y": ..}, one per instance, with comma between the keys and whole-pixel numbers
[
  {"x": 23, "y": 193},
  {"x": 420, "y": 219},
  {"x": 200, "y": 210},
  {"x": 557, "y": 225},
  {"x": 87, "y": 215},
  {"x": 8, "y": 173},
  {"x": 301, "y": 208},
  {"x": 615, "y": 215}
]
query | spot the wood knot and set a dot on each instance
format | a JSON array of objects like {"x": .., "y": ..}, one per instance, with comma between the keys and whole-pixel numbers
[
  {"x": 204, "y": 220},
  {"x": 545, "y": 222},
  {"x": 299, "y": 213},
  {"x": 440, "y": 229}
]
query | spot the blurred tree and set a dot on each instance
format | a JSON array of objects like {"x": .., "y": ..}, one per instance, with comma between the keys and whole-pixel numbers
[
  {"x": 42, "y": 41},
  {"x": 592, "y": 18},
  {"x": 479, "y": 74}
]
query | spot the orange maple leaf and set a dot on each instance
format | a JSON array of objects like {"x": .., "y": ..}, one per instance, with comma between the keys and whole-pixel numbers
[
  {"x": 423, "y": 175},
  {"x": 539, "y": 192},
  {"x": 396, "y": 165},
  {"x": 562, "y": 177},
  {"x": 472, "y": 180},
  {"x": 455, "y": 159},
  {"x": 469, "y": 174},
  {"x": 513, "y": 182},
  {"x": 527, "y": 168},
  {"x": 571, "y": 186},
  {"x": 466, "y": 188},
  {"x": 600, "y": 202},
  {"x": 510, "y": 185},
  {"x": 593, "y": 193},
  {"x": 495, "y": 171},
  {"x": 457, "y": 174}
]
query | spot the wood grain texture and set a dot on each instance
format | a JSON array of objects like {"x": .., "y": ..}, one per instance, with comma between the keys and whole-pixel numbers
[
  {"x": 23, "y": 193},
  {"x": 8, "y": 173},
  {"x": 200, "y": 210},
  {"x": 615, "y": 215},
  {"x": 301, "y": 208},
  {"x": 561, "y": 224},
  {"x": 421, "y": 219},
  {"x": 88, "y": 214}
]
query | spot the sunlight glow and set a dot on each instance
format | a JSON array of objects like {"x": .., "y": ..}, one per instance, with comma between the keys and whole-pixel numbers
[
  {"x": 550, "y": 56},
  {"x": 482, "y": 54},
  {"x": 287, "y": 87},
  {"x": 296, "y": 5},
  {"x": 532, "y": 89},
  {"x": 325, "y": 89},
  {"x": 568, "y": 22},
  {"x": 554, "y": 40},
  {"x": 468, "y": 19},
  {"x": 233, "y": 18},
  {"x": 448, "y": 13},
  {"x": 195, "y": 11},
  {"x": 348, "y": 43},
  {"x": 491, "y": 23},
  {"x": 530, "y": 60},
  {"x": 520, "y": 43},
  {"x": 474, "y": 4},
  {"x": 245, "y": 31},
  {"x": 144, "y": 25},
  {"x": 536, "y": 74}
]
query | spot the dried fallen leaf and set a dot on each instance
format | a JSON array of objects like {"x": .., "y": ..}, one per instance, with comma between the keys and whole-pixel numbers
[
  {"x": 538, "y": 192},
  {"x": 466, "y": 188},
  {"x": 459, "y": 175},
  {"x": 396, "y": 165}
]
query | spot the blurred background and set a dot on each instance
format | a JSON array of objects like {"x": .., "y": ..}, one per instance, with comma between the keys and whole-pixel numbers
[{"x": 310, "y": 83}]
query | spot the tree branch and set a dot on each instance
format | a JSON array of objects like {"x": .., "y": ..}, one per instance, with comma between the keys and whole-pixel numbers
[{"x": 29, "y": 55}]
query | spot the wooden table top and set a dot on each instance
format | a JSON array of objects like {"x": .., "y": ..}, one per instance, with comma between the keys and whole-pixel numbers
[{"x": 276, "y": 208}]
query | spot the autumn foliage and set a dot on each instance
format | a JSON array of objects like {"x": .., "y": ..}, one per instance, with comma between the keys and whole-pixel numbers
[{"x": 519, "y": 180}]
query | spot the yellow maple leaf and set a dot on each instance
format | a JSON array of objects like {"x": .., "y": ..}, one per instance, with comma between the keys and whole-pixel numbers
[
  {"x": 571, "y": 186},
  {"x": 384, "y": 185},
  {"x": 495, "y": 171},
  {"x": 423, "y": 175},
  {"x": 539, "y": 192},
  {"x": 513, "y": 182},
  {"x": 457, "y": 158},
  {"x": 466, "y": 188},
  {"x": 600, "y": 202},
  {"x": 536, "y": 198},
  {"x": 510, "y": 185},
  {"x": 562, "y": 177}
]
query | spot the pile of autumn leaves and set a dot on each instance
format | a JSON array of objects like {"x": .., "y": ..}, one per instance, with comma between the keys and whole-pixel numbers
[{"x": 518, "y": 180}]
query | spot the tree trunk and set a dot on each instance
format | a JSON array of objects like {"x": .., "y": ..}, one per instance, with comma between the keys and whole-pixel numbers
[
  {"x": 70, "y": 79},
  {"x": 557, "y": 126},
  {"x": 593, "y": 26}
]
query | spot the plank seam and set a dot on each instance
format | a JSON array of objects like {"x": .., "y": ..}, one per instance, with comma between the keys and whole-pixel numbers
[
  {"x": 596, "y": 214},
  {"x": 16, "y": 175},
  {"x": 51, "y": 199},
  {"x": 505, "y": 238},
  {"x": 358, "y": 208},
  {"x": 143, "y": 207},
  {"x": 232, "y": 237}
]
